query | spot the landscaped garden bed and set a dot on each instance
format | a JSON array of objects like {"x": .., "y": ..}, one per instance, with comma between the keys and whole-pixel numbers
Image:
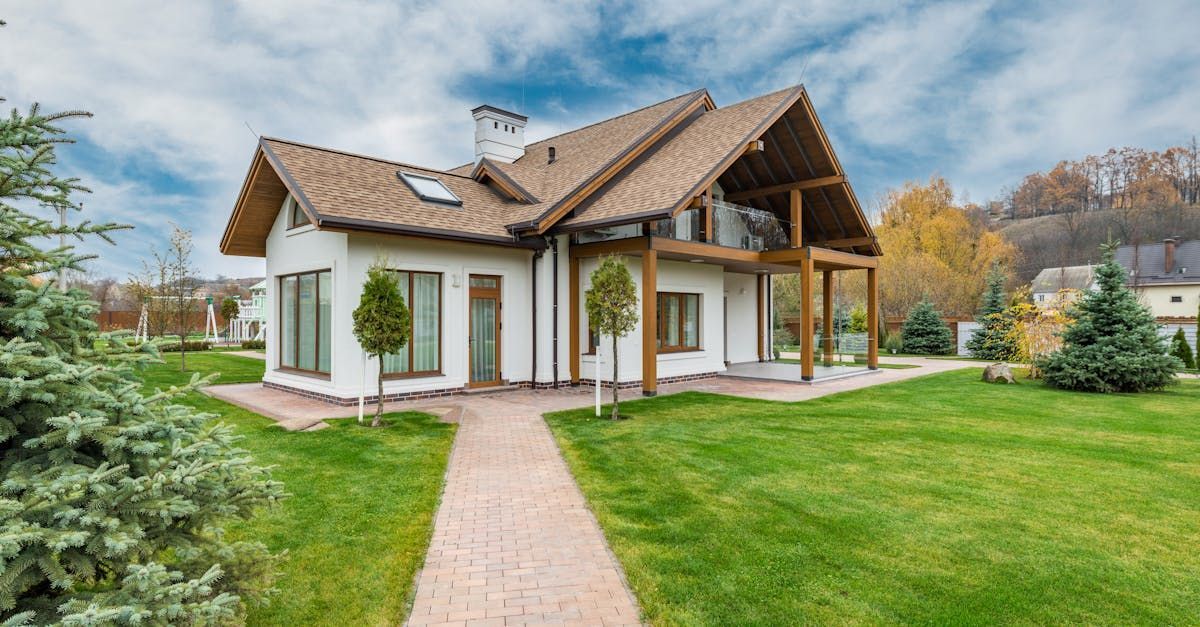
[{"x": 936, "y": 500}]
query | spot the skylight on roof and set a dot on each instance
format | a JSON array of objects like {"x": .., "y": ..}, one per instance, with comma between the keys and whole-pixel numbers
[{"x": 429, "y": 188}]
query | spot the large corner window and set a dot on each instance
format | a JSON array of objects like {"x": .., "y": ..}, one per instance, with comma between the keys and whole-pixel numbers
[
  {"x": 305, "y": 316},
  {"x": 422, "y": 355},
  {"x": 678, "y": 322},
  {"x": 296, "y": 215},
  {"x": 429, "y": 188}
]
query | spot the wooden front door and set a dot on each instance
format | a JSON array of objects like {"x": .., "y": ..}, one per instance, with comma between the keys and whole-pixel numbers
[{"x": 484, "y": 308}]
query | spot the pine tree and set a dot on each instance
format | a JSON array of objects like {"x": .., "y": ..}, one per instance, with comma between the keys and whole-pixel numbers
[
  {"x": 993, "y": 338},
  {"x": 611, "y": 305},
  {"x": 925, "y": 333},
  {"x": 113, "y": 502},
  {"x": 1182, "y": 350},
  {"x": 382, "y": 321},
  {"x": 1113, "y": 345}
]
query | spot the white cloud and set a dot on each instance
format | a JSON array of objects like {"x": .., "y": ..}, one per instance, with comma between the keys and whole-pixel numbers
[{"x": 979, "y": 92}]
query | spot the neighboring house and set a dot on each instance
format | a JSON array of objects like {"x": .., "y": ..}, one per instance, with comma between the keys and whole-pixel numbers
[
  {"x": 494, "y": 256},
  {"x": 1166, "y": 276},
  {"x": 1055, "y": 288}
]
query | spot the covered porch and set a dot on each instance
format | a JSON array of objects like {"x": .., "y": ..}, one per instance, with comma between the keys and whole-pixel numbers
[{"x": 819, "y": 357}]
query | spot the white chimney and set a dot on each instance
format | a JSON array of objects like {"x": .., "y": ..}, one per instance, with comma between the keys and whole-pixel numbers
[{"x": 499, "y": 134}]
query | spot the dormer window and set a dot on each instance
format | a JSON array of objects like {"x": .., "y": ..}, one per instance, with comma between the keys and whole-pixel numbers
[
  {"x": 296, "y": 215},
  {"x": 429, "y": 188}
]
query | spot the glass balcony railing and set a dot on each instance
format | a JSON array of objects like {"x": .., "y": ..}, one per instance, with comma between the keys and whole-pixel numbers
[
  {"x": 748, "y": 228},
  {"x": 736, "y": 226}
]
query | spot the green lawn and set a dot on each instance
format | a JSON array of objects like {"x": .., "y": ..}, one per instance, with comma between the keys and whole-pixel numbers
[
  {"x": 939, "y": 500},
  {"x": 358, "y": 521}
]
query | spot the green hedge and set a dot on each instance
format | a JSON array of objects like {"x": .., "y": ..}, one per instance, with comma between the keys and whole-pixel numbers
[{"x": 254, "y": 344}]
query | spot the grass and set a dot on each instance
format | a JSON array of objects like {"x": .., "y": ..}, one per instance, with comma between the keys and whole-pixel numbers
[
  {"x": 939, "y": 500},
  {"x": 852, "y": 363},
  {"x": 358, "y": 521}
]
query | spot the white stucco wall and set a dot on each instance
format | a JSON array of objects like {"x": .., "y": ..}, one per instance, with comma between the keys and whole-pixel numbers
[
  {"x": 740, "y": 289},
  {"x": 348, "y": 256},
  {"x": 1158, "y": 298},
  {"x": 301, "y": 250},
  {"x": 712, "y": 283}
]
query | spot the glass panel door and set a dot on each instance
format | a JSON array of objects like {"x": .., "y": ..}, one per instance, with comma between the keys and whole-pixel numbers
[{"x": 485, "y": 331}]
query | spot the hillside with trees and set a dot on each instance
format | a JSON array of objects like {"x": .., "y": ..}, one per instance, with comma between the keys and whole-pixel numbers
[{"x": 1133, "y": 195}]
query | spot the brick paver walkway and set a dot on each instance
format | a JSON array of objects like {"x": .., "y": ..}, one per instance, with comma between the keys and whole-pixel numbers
[{"x": 514, "y": 542}]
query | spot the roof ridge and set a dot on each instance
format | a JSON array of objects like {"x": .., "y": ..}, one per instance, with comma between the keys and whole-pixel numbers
[
  {"x": 692, "y": 93},
  {"x": 360, "y": 156}
]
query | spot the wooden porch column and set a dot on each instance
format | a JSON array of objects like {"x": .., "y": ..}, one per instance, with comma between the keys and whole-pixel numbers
[
  {"x": 806, "y": 319},
  {"x": 650, "y": 323},
  {"x": 573, "y": 324},
  {"x": 872, "y": 319},
  {"x": 796, "y": 201},
  {"x": 827, "y": 316}
]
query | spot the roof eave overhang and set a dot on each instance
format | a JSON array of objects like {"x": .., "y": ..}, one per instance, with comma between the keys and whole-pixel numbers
[{"x": 374, "y": 226}]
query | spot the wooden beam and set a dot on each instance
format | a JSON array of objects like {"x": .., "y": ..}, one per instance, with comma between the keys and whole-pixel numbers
[
  {"x": 872, "y": 319},
  {"x": 629, "y": 245},
  {"x": 806, "y": 320},
  {"x": 824, "y": 181},
  {"x": 796, "y": 203},
  {"x": 649, "y": 323},
  {"x": 698, "y": 202},
  {"x": 849, "y": 242},
  {"x": 827, "y": 316},
  {"x": 573, "y": 324},
  {"x": 754, "y": 146},
  {"x": 839, "y": 258},
  {"x": 703, "y": 250}
]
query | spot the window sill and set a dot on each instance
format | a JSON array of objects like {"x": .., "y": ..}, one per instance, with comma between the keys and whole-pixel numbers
[
  {"x": 401, "y": 376},
  {"x": 676, "y": 351},
  {"x": 312, "y": 374}
]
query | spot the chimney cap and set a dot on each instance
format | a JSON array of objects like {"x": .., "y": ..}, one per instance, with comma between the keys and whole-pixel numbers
[{"x": 489, "y": 108}]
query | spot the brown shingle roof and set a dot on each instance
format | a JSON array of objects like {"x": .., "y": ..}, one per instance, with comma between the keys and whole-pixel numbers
[
  {"x": 651, "y": 159},
  {"x": 344, "y": 189},
  {"x": 668, "y": 176}
]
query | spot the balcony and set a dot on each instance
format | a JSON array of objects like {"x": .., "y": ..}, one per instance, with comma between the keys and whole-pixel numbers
[{"x": 734, "y": 226}]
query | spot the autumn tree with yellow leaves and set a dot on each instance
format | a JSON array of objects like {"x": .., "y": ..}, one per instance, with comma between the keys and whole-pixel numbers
[{"x": 934, "y": 248}]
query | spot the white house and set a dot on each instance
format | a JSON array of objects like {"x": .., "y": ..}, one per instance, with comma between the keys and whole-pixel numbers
[
  {"x": 703, "y": 203},
  {"x": 1055, "y": 288}
]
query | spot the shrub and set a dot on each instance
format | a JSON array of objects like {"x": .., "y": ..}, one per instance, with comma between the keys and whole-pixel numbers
[
  {"x": 254, "y": 345},
  {"x": 893, "y": 343},
  {"x": 1181, "y": 350},
  {"x": 190, "y": 345},
  {"x": 1113, "y": 345},
  {"x": 993, "y": 338},
  {"x": 925, "y": 333}
]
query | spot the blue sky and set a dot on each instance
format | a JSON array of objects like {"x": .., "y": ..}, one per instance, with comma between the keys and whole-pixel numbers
[{"x": 979, "y": 92}]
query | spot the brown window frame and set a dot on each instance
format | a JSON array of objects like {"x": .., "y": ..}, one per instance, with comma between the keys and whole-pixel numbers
[
  {"x": 441, "y": 320},
  {"x": 279, "y": 279},
  {"x": 661, "y": 322},
  {"x": 293, "y": 210}
]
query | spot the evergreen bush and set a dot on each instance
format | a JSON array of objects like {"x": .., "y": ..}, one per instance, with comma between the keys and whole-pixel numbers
[
  {"x": 993, "y": 338},
  {"x": 1182, "y": 350},
  {"x": 925, "y": 333},
  {"x": 1113, "y": 344},
  {"x": 254, "y": 345},
  {"x": 114, "y": 502}
]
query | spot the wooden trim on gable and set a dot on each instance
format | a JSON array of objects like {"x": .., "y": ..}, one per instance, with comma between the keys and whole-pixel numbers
[
  {"x": 824, "y": 181},
  {"x": 738, "y": 151},
  {"x": 486, "y": 170},
  {"x": 593, "y": 183}
]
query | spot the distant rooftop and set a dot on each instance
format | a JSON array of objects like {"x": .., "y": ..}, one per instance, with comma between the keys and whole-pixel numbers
[
  {"x": 1147, "y": 262},
  {"x": 1053, "y": 280}
]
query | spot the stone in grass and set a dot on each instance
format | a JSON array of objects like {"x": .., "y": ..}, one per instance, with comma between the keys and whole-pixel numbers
[{"x": 998, "y": 373}]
